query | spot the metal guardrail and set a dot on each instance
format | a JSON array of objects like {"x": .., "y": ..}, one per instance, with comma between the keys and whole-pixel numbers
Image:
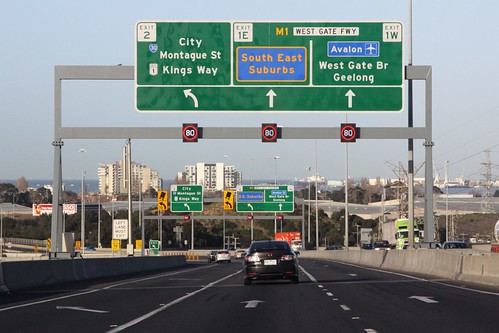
[{"x": 24, "y": 241}]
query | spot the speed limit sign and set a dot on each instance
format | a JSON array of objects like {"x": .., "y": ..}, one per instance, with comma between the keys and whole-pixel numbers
[
  {"x": 270, "y": 132},
  {"x": 190, "y": 132},
  {"x": 349, "y": 132}
]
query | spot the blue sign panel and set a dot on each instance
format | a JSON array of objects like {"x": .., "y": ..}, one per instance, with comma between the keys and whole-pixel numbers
[
  {"x": 271, "y": 64},
  {"x": 353, "y": 49},
  {"x": 278, "y": 192},
  {"x": 250, "y": 196}
]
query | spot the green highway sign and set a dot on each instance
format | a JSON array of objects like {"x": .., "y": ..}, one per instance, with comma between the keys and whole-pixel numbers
[
  {"x": 186, "y": 198},
  {"x": 269, "y": 66},
  {"x": 266, "y": 198},
  {"x": 154, "y": 246}
]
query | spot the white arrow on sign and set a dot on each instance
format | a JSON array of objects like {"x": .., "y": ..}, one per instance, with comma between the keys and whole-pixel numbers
[
  {"x": 186, "y": 205},
  {"x": 251, "y": 207},
  {"x": 188, "y": 93},
  {"x": 271, "y": 94},
  {"x": 280, "y": 206},
  {"x": 79, "y": 308},
  {"x": 252, "y": 304},
  {"x": 426, "y": 299},
  {"x": 350, "y": 96}
]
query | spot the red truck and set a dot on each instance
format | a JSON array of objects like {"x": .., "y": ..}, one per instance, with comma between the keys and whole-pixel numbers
[{"x": 293, "y": 238}]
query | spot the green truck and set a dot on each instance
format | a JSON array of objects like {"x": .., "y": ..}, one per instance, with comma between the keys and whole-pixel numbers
[{"x": 402, "y": 232}]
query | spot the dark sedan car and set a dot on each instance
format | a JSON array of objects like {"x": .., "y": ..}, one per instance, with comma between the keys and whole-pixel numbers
[{"x": 270, "y": 260}]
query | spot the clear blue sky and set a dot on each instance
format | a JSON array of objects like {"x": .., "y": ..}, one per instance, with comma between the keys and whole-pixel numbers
[{"x": 457, "y": 38}]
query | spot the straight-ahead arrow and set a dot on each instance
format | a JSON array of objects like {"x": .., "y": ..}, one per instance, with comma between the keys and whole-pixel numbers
[
  {"x": 252, "y": 304},
  {"x": 426, "y": 299},
  {"x": 350, "y": 96},
  {"x": 271, "y": 94},
  {"x": 79, "y": 308}
]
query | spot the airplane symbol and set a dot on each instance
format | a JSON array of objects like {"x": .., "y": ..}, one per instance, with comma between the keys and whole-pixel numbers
[{"x": 371, "y": 48}]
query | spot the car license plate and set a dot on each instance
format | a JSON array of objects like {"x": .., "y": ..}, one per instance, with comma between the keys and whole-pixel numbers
[{"x": 270, "y": 262}]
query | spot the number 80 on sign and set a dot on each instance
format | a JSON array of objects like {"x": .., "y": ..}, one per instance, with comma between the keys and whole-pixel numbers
[
  {"x": 270, "y": 133},
  {"x": 349, "y": 132},
  {"x": 190, "y": 133}
]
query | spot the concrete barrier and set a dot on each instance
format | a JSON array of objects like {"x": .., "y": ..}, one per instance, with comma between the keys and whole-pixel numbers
[
  {"x": 19, "y": 275},
  {"x": 463, "y": 265},
  {"x": 483, "y": 268}
]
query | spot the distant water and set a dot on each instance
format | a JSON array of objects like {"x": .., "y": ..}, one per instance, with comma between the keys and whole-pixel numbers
[
  {"x": 74, "y": 185},
  {"x": 469, "y": 190}
]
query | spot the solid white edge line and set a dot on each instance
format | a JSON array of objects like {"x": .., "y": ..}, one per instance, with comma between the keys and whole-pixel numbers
[{"x": 435, "y": 281}]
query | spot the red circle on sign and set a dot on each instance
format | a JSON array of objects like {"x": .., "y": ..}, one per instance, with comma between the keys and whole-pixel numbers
[
  {"x": 348, "y": 132},
  {"x": 269, "y": 132},
  {"x": 190, "y": 133}
]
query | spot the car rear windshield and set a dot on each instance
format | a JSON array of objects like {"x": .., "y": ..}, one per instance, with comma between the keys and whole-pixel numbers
[
  {"x": 223, "y": 252},
  {"x": 269, "y": 246}
]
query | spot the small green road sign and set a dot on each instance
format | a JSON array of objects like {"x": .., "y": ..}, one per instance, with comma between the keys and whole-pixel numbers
[
  {"x": 267, "y": 198},
  {"x": 269, "y": 66},
  {"x": 186, "y": 198},
  {"x": 154, "y": 246}
]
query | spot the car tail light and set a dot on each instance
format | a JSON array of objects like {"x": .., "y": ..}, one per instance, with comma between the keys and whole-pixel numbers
[
  {"x": 288, "y": 257},
  {"x": 252, "y": 258}
]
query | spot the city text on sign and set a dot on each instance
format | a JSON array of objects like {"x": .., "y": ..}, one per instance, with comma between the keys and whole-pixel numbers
[
  {"x": 186, "y": 198},
  {"x": 269, "y": 66}
]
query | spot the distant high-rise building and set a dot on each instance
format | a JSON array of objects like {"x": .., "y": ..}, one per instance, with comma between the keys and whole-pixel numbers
[
  {"x": 213, "y": 177},
  {"x": 112, "y": 178}
]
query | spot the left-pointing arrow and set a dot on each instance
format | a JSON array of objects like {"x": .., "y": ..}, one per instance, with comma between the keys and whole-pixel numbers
[
  {"x": 188, "y": 93},
  {"x": 187, "y": 206}
]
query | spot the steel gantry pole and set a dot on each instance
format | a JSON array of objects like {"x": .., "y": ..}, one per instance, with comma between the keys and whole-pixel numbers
[{"x": 425, "y": 73}]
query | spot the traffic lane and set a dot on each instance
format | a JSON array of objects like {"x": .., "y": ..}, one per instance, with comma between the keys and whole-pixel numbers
[
  {"x": 390, "y": 301},
  {"x": 265, "y": 306},
  {"x": 105, "y": 305}
]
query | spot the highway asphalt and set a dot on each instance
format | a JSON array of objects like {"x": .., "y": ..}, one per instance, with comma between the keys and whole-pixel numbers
[{"x": 203, "y": 297}]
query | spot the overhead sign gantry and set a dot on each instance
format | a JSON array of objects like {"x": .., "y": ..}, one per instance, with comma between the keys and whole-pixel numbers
[{"x": 269, "y": 66}]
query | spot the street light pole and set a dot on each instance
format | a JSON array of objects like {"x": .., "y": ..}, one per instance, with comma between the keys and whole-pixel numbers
[
  {"x": 316, "y": 201},
  {"x": 275, "y": 183},
  {"x": 309, "y": 204},
  {"x": 1, "y": 232},
  {"x": 82, "y": 241},
  {"x": 223, "y": 198},
  {"x": 447, "y": 201},
  {"x": 275, "y": 167}
]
